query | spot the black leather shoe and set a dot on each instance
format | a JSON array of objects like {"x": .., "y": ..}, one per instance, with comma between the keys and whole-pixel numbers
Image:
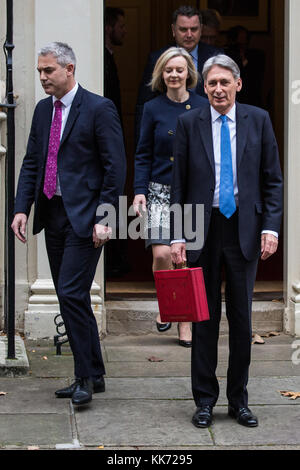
[
  {"x": 202, "y": 417},
  {"x": 98, "y": 383},
  {"x": 243, "y": 416},
  {"x": 183, "y": 342},
  {"x": 83, "y": 392},
  {"x": 161, "y": 327}
]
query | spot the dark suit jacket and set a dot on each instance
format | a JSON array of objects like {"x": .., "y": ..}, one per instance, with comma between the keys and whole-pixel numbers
[
  {"x": 154, "y": 154},
  {"x": 258, "y": 173},
  {"x": 91, "y": 161},
  {"x": 205, "y": 51}
]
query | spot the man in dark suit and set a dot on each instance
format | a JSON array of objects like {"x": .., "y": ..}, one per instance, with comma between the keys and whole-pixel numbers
[
  {"x": 226, "y": 159},
  {"x": 115, "y": 31},
  {"x": 116, "y": 256},
  {"x": 74, "y": 164},
  {"x": 186, "y": 30}
]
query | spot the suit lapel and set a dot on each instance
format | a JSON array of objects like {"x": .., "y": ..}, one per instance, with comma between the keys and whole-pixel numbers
[
  {"x": 206, "y": 134},
  {"x": 242, "y": 129},
  {"x": 73, "y": 115},
  {"x": 47, "y": 125}
]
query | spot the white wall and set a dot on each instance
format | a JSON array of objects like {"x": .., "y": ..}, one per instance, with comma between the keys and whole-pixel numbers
[{"x": 292, "y": 168}]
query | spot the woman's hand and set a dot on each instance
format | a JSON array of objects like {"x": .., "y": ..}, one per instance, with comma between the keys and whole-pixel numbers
[
  {"x": 178, "y": 253},
  {"x": 139, "y": 201}
]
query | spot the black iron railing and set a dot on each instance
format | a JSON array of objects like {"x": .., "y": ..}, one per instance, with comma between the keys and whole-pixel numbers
[{"x": 9, "y": 262}]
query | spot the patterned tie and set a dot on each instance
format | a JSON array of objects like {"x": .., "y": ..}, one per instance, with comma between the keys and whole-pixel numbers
[
  {"x": 227, "y": 202},
  {"x": 54, "y": 141}
]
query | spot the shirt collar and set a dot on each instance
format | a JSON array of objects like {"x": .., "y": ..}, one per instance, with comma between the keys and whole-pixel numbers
[
  {"x": 67, "y": 99},
  {"x": 231, "y": 114}
]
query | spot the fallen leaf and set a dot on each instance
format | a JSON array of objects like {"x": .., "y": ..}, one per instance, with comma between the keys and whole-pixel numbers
[
  {"x": 154, "y": 359},
  {"x": 100, "y": 447},
  {"x": 271, "y": 333},
  {"x": 257, "y": 339},
  {"x": 291, "y": 395},
  {"x": 2, "y": 394}
]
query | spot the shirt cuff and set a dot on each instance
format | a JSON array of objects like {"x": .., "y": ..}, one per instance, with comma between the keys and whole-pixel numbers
[
  {"x": 177, "y": 241},
  {"x": 271, "y": 232}
]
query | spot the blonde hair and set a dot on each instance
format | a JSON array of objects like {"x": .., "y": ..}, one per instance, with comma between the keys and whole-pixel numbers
[{"x": 157, "y": 83}]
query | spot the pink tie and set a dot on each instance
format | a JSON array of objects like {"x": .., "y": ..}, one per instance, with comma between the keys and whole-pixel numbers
[{"x": 54, "y": 141}]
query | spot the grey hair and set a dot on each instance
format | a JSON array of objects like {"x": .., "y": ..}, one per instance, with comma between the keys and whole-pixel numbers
[
  {"x": 63, "y": 53},
  {"x": 223, "y": 61}
]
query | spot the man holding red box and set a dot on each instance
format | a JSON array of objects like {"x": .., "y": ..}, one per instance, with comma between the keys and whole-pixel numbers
[{"x": 226, "y": 158}]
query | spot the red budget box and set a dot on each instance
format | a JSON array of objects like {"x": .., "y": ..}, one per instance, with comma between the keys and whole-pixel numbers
[{"x": 181, "y": 295}]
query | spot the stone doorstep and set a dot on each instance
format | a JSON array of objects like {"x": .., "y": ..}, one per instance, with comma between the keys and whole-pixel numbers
[
  {"x": 138, "y": 317},
  {"x": 39, "y": 320},
  {"x": 17, "y": 366}
]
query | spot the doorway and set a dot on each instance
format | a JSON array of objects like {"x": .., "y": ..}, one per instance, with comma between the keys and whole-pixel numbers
[{"x": 148, "y": 28}]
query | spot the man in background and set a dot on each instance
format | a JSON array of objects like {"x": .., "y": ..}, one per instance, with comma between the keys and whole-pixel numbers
[
  {"x": 211, "y": 25},
  {"x": 116, "y": 258},
  {"x": 186, "y": 29},
  {"x": 115, "y": 32}
]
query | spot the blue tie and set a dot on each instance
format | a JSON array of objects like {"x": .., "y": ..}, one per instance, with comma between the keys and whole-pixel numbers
[{"x": 227, "y": 202}]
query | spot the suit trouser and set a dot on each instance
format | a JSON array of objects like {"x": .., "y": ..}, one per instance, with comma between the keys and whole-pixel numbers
[
  {"x": 73, "y": 261},
  {"x": 222, "y": 252}
]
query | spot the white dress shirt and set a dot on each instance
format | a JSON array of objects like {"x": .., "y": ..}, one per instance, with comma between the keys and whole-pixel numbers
[
  {"x": 216, "y": 123},
  {"x": 67, "y": 101}
]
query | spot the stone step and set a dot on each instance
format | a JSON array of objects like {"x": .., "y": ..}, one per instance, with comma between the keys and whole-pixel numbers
[{"x": 138, "y": 317}]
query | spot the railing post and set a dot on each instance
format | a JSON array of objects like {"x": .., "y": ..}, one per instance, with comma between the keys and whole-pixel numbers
[{"x": 9, "y": 284}]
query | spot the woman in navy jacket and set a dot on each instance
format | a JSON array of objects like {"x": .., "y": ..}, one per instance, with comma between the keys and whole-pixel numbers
[{"x": 174, "y": 76}]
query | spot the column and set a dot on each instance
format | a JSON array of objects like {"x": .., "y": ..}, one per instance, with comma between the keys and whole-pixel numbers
[{"x": 292, "y": 170}]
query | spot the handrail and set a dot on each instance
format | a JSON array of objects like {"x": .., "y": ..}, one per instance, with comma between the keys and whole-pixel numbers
[{"x": 9, "y": 105}]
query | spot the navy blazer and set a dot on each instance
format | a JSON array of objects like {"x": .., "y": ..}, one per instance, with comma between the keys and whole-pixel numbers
[
  {"x": 205, "y": 51},
  {"x": 154, "y": 154},
  {"x": 259, "y": 175},
  {"x": 91, "y": 161}
]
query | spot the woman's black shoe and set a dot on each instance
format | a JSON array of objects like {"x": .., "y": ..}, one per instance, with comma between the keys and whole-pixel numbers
[
  {"x": 182, "y": 342},
  {"x": 161, "y": 327}
]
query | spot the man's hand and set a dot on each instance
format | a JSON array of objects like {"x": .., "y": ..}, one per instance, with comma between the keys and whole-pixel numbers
[
  {"x": 139, "y": 200},
  {"x": 101, "y": 234},
  {"x": 178, "y": 253},
  {"x": 269, "y": 244},
  {"x": 19, "y": 226}
]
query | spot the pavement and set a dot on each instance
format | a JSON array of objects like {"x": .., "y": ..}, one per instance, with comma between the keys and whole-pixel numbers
[{"x": 148, "y": 403}]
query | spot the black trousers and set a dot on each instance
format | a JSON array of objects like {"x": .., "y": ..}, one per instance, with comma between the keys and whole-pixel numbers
[
  {"x": 222, "y": 253},
  {"x": 73, "y": 261}
]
